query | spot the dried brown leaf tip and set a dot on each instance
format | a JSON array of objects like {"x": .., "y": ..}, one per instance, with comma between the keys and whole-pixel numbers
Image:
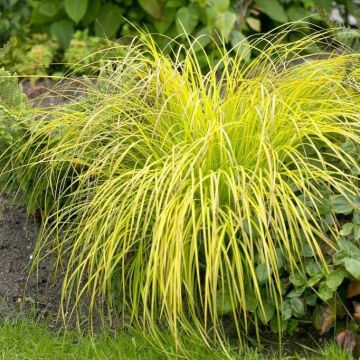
[
  {"x": 324, "y": 318},
  {"x": 353, "y": 289}
]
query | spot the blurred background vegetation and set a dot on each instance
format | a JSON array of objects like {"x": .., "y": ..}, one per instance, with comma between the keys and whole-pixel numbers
[{"x": 48, "y": 35}]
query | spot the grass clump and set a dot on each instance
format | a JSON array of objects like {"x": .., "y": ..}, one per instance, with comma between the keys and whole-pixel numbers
[{"x": 182, "y": 197}]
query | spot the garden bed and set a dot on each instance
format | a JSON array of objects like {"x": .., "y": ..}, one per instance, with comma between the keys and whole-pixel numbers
[{"x": 18, "y": 291}]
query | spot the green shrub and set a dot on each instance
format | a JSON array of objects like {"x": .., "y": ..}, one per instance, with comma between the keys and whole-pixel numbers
[
  {"x": 13, "y": 102},
  {"x": 229, "y": 21},
  {"x": 186, "y": 198}
]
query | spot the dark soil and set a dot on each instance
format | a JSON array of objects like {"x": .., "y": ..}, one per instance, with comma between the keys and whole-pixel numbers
[{"x": 35, "y": 295}]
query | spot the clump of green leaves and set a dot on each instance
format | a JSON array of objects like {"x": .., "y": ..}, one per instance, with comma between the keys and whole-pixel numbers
[
  {"x": 217, "y": 21},
  {"x": 184, "y": 197},
  {"x": 13, "y": 102},
  {"x": 31, "y": 56}
]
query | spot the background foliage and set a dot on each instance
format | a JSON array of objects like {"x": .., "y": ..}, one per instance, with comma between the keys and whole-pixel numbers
[{"x": 59, "y": 22}]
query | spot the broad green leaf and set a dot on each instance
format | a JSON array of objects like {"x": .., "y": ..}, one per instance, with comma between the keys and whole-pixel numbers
[
  {"x": 273, "y": 9},
  {"x": 357, "y": 232},
  {"x": 224, "y": 23},
  {"x": 296, "y": 292},
  {"x": 162, "y": 26},
  {"x": 239, "y": 40},
  {"x": 223, "y": 302},
  {"x": 48, "y": 8},
  {"x": 297, "y": 279},
  {"x": 350, "y": 147},
  {"x": 314, "y": 280},
  {"x": 296, "y": 13},
  {"x": 75, "y": 9},
  {"x": 278, "y": 325},
  {"x": 286, "y": 310},
  {"x": 335, "y": 278},
  {"x": 340, "y": 204},
  {"x": 307, "y": 251},
  {"x": 91, "y": 13},
  {"x": 109, "y": 20},
  {"x": 266, "y": 313},
  {"x": 312, "y": 267},
  {"x": 174, "y": 4},
  {"x": 347, "y": 229},
  {"x": 186, "y": 19},
  {"x": 262, "y": 273},
  {"x": 202, "y": 39},
  {"x": 356, "y": 218},
  {"x": 353, "y": 267},
  {"x": 308, "y": 4},
  {"x": 325, "y": 293},
  {"x": 310, "y": 299},
  {"x": 350, "y": 249},
  {"x": 251, "y": 301},
  {"x": 324, "y": 5},
  {"x": 219, "y": 5},
  {"x": 153, "y": 7},
  {"x": 297, "y": 307},
  {"x": 63, "y": 31}
]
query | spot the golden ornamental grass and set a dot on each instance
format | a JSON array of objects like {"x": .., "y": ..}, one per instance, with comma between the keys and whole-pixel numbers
[{"x": 164, "y": 187}]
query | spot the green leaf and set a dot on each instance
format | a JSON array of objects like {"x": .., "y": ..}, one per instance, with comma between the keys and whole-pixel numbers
[
  {"x": 297, "y": 279},
  {"x": 278, "y": 325},
  {"x": 109, "y": 20},
  {"x": 186, "y": 19},
  {"x": 325, "y": 5},
  {"x": 91, "y": 12},
  {"x": 273, "y": 9},
  {"x": 63, "y": 31},
  {"x": 254, "y": 23},
  {"x": 353, "y": 267},
  {"x": 251, "y": 301},
  {"x": 162, "y": 26},
  {"x": 335, "y": 278},
  {"x": 296, "y": 292},
  {"x": 202, "y": 39},
  {"x": 356, "y": 218},
  {"x": 340, "y": 204},
  {"x": 297, "y": 307},
  {"x": 239, "y": 40},
  {"x": 266, "y": 313},
  {"x": 314, "y": 280},
  {"x": 223, "y": 302},
  {"x": 153, "y": 7},
  {"x": 349, "y": 147},
  {"x": 347, "y": 229},
  {"x": 312, "y": 267},
  {"x": 310, "y": 299},
  {"x": 262, "y": 273},
  {"x": 48, "y": 8},
  {"x": 220, "y": 5},
  {"x": 357, "y": 232},
  {"x": 224, "y": 23},
  {"x": 75, "y": 9},
  {"x": 296, "y": 13},
  {"x": 174, "y": 4},
  {"x": 350, "y": 249},
  {"x": 325, "y": 293},
  {"x": 286, "y": 310}
]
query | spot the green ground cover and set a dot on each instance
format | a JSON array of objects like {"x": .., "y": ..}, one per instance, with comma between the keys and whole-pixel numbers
[{"x": 22, "y": 339}]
